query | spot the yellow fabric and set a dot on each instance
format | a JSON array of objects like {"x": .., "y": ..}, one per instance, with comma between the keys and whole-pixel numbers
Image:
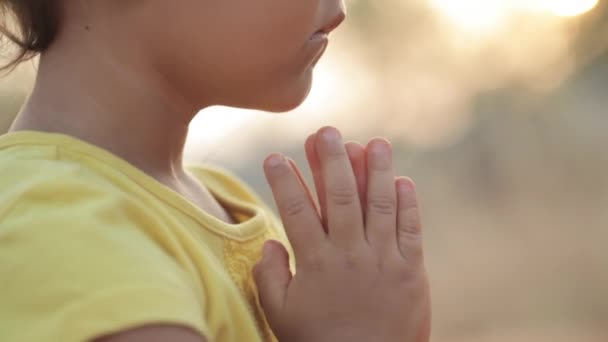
[{"x": 90, "y": 245}]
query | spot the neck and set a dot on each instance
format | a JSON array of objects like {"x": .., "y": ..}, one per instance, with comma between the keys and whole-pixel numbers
[{"x": 120, "y": 104}]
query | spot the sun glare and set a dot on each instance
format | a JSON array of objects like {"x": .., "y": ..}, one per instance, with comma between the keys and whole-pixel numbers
[
  {"x": 214, "y": 124},
  {"x": 569, "y": 8},
  {"x": 473, "y": 14},
  {"x": 487, "y": 15},
  {"x": 322, "y": 94}
]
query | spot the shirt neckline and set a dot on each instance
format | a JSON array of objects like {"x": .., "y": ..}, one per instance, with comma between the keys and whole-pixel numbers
[{"x": 256, "y": 217}]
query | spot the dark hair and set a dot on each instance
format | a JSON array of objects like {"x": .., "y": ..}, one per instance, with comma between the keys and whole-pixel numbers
[{"x": 36, "y": 26}]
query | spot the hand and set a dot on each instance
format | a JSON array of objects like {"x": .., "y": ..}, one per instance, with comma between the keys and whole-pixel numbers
[{"x": 362, "y": 278}]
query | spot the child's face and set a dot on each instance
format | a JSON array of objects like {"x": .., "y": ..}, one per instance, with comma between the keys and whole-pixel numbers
[{"x": 245, "y": 53}]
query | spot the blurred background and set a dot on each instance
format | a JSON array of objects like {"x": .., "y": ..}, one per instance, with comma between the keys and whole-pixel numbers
[{"x": 497, "y": 108}]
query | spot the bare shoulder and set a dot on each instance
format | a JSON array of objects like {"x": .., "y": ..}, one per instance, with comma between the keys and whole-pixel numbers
[{"x": 155, "y": 333}]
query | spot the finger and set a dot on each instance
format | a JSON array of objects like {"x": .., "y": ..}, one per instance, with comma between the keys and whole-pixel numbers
[
  {"x": 409, "y": 227},
  {"x": 272, "y": 276},
  {"x": 356, "y": 153},
  {"x": 299, "y": 216},
  {"x": 381, "y": 195},
  {"x": 315, "y": 169},
  {"x": 303, "y": 184},
  {"x": 344, "y": 216}
]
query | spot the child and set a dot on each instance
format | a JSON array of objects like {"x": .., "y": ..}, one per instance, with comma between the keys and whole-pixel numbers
[{"x": 106, "y": 236}]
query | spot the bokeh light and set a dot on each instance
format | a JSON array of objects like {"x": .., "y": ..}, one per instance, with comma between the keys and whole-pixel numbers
[
  {"x": 481, "y": 16},
  {"x": 477, "y": 15},
  {"x": 570, "y": 8}
]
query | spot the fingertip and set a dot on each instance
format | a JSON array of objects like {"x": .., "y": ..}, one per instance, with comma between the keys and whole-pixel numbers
[
  {"x": 272, "y": 247},
  {"x": 310, "y": 146},
  {"x": 329, "y": 134},
  {"x": 310, "y": 141},
  {"x": 379, "y": 153},
  {"x": 274, "y": 160},
  {"x": 272, "y": 276},
  {"x": 409, "y": 211},
  {"x": 356, "y": 153},
  {"x": 406, "y": 194},
  {"x": 405, "y": 185},
  {"x": 267, "y": 249},
  {"x": 273, "y": 252},
  {"x": 378, "y": 142},
  {"x": 355, "y": 143},
  {"x": 355, "y": 149}
]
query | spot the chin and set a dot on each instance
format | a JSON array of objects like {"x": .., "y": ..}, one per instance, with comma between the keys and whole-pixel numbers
[
  {"x": 286, "y": 104},
  {"x": 284, "y": 98}
]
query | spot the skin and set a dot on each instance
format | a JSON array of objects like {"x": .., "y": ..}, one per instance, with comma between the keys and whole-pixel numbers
[
  {"x": 118, "y": 79},
  {"x": 361, "y": 261},
  {"x": 125, "y": 76}
]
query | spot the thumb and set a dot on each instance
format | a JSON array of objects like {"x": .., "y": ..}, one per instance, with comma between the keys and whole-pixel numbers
[{"x": 272, "y": 276}]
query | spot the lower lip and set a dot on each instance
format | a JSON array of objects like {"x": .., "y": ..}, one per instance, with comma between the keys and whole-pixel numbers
[
  {"x": 318, "y": 43},
  {"x": 319, "y": 37}
]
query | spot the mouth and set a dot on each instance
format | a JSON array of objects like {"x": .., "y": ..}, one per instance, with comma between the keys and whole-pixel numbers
[
  {"x": 320, "y": 39},
  {"x": 319, "y": 36},
  {"x": 323, "y": 33},
  {"x": 317, "y": 43},
  {"x": 319, "y": 55}
]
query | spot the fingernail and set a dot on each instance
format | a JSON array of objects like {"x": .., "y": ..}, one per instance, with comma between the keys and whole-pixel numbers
[
  {"x": 380, "y": 147},
  {"x": 380, "y": 153},
  {"x": 405, "y": 185},
  {"x": 275, "y": 160},
  {"x": 402, "y": 186},
  {"x": 331, "y": 134}
]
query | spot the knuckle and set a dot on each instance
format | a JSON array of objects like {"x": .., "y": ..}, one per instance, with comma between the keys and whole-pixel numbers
[
  {"x": 351, "y": 261},
  {"x": 411, "y": 248},
  {"x": 410, "y": 236},
  {"x": 313, "y": 262},
  {"x": 384, "y": 205},
  {"x": 417, "y": 282},
  {"x": 355, "y": 258},
  {"x": 343, "y": 196},
  {"x": 415, "y": 252},
  {"x": 294, "y": 206},
  {"x": 404, "y": 274},
  {"x": 411, "y": 223}
]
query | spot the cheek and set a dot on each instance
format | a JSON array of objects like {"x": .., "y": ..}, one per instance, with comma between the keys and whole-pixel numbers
[
  {"x": 243, "y": 33},
  {"x": 243, "y": 45},
  {"x": 272, "y": 32}
]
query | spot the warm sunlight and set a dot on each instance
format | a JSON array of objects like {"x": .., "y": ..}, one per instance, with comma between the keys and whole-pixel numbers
[
  {"x": 481, "y": 16},
  {"x": 322, "y": 98},
  {"x": 213, "y": 125},
  {"x": 475, "y": 15},
  {"x": 569, "y": 8}
]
